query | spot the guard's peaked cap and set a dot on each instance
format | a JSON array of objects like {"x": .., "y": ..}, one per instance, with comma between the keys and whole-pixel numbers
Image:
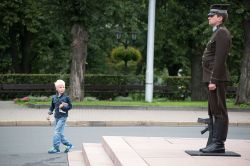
[{"x": 218, "y": 9}]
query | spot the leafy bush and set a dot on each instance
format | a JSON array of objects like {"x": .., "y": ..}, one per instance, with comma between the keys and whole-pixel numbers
[
  {"x": 179, "y": 86},
  {"x": 126, "y": 54}
]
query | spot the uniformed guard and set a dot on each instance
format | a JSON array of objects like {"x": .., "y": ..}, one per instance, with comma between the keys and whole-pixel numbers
[{"x": 215, "y": 75}]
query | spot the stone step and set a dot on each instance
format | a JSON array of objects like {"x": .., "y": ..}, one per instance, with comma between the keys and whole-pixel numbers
[
  {"x": 120, "y": 152},
  {"x": 75, "y": 158},
  {"x": 160, "y": 151},
  {"x": 94, "y": 155}
]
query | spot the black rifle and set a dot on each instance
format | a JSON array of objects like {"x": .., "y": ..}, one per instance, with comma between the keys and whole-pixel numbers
[{"x": 209, "y": 127}]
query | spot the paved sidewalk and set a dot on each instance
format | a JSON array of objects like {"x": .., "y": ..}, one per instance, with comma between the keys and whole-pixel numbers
[{"x": 15, "y": 115}]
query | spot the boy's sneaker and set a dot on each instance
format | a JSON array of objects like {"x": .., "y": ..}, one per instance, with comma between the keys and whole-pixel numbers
[
  {"x": 53, "y": 151},
  {"x": 68, "y": 147}
]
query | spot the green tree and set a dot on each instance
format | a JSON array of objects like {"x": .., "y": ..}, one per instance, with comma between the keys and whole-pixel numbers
[
  {"x": 126, "y": 55},
  {"x": 123, "y": 16},
  {"x": 31, "y": 41},
  {"x": 82, "y": 16},
  {"x": 79, "y": 15},
  {"x": 181, "y": 31},
  {"x": 20, "y": 22},
  {"x": 243, "y": 92}
]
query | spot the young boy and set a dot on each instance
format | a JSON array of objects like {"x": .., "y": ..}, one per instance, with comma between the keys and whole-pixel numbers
[{"x": 61, "y": 104}]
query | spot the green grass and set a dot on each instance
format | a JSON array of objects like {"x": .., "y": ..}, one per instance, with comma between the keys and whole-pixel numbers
[{"x": 230, "y": 104}]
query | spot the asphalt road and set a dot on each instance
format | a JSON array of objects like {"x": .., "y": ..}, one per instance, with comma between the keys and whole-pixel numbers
[{"x": 28, "y": 146}]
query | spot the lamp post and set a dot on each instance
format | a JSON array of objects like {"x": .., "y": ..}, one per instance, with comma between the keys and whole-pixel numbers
[
  {"x": 150, "y": 52},
  {"x": 127, "y": 40}
]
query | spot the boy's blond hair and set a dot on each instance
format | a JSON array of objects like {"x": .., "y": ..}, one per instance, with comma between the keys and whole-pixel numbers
[{"x": 59, "y": 82}]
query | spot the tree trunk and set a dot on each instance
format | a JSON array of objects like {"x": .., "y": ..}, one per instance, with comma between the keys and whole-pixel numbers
[
  {"x": 14, "y": 50},
  {"x": 173, "y": 69},
  {"x": 26, "y": 51},
  {"x": 126, "y": 67},
  {"x": 243, "y": 92},
  {"x": 198, "y": 90},
  {"x": 79, "y": 55}
]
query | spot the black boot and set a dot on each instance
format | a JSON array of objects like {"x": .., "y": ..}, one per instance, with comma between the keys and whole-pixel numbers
[
  {"x": 220, "y": 134},
  {"x": 216, "y": 147}
]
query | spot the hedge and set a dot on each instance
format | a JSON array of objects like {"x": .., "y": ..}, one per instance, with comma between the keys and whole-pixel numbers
[
  {"x": 94, "y": 79},
  {"x": 180, "y": 85},
  {"x": 51, "y": 78}
]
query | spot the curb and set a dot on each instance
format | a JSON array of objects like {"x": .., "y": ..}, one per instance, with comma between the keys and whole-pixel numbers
[
  {"x": 25, "y": 123},
  {"x": 110, "y": 123},
  {"x": 159, "y": 108}
]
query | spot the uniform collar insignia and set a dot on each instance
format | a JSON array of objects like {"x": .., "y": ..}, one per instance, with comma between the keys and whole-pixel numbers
[{"x": 215, "y": 28}]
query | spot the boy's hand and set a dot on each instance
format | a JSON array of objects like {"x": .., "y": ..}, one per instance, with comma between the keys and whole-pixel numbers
[{"x": 60, "y": 106}]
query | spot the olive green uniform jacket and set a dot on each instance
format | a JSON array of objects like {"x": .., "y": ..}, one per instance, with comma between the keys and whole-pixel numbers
[{"x": 215, "y": 56}]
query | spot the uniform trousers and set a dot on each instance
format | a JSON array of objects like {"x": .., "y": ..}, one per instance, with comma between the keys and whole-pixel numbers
[{"x": 217, "y": 110}]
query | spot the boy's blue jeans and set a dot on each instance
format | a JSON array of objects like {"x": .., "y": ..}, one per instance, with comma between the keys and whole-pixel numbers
[{"x": 59, "y": 133}]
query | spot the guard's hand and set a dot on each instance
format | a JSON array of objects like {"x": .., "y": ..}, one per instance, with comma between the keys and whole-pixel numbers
[
  {"x": 48, "y": 118},
  {"x": 211, "y": 86}
]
